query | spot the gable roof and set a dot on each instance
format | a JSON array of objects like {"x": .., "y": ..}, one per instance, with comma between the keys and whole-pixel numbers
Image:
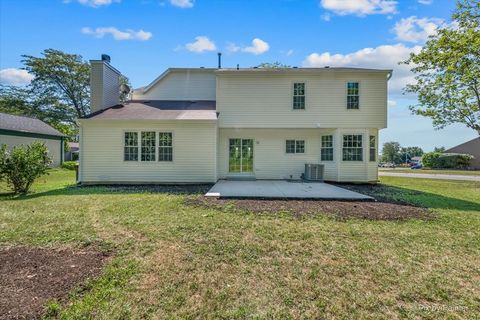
[
  {"x": 170, "y": 70},
  {"x": 158, "y": 110},
  {"x": 473, "y": 145},
  {"x": 25, "y": 124}
]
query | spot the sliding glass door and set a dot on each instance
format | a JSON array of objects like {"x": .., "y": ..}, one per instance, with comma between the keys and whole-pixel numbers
[{"x": 240, "y": 156}]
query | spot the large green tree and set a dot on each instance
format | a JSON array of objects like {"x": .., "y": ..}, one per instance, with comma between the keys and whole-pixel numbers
[
  {"x": 391, "y": 152},
  {"x": 447, "y": 71}
]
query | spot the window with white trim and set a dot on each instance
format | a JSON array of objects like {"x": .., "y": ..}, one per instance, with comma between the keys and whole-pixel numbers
[
  {"x": 130, "y": 149},
  {"x": 326, "y": 152},
  {"x": 299, "y": 96},
  {"x": 373, "y": 149},
  {"x": 147, "y": 149},
  {"x": 353, "y": 95},
  {"x": 295, "y": 146},
  {"x": 165, "y": 146},
  {"x": 352, "y": 147}
]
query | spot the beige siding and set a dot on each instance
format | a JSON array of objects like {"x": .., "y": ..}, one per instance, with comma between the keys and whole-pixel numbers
[
  {"x": 54, "y": 146},
  {"x": 182, "y": 85},
  {"x": 270, "y": 159},
  {"x": 101, "y": 152},
  {"x": 265, "y": 100}
]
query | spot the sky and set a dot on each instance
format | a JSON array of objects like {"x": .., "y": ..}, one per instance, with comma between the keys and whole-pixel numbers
[{"x": 144, "y": 37}]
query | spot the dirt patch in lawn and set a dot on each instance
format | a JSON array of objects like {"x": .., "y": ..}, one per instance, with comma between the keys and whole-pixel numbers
[
  {"x": 30, "y": 277},
  {"x": 340, "y": 209}
]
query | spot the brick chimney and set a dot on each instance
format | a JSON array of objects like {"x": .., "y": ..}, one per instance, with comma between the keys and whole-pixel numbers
[{"x": 104, "y": 84}]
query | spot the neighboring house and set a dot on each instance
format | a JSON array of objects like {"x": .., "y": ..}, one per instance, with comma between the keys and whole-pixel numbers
[
  {"x": 17, "y": 130},
  {"x": 416, "y": 159},
  {"x": 194, "y": 125},
  {"x": 470, "y": 147},
  {"x": 73, "y": 151}
]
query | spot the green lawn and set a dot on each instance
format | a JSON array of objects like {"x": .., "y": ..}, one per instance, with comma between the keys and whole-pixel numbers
[
  {"x": 431, "y": 171},
  {"x": 177, "y": 261}
]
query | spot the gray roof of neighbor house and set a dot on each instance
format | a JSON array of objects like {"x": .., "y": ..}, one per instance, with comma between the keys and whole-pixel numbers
[
  {"x": 26, "y": 124},
  {"x": 158, "y": 110}
]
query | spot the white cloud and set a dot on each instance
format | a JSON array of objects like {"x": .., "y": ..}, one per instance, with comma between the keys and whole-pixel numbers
[
  {"x": 326, "y": 17},
  {"x": 201, "y": 44},
  {"x": 117, "y": 34},
  {"x": 425, "y": 2},
  {"x": 413, "y": 29},
  {"x": 290, "y": 52},
  {"x": 391, "y": 103},
  {"x": 12, "y": 76},
  {"x": 360, "y": 7},
  {"x": 232, "y": 47},
  {"x": 258, "y": 47},
  {"x": 381, "y": 57},
  {"x": 94, "y": 3},
  {"x": 182, "y": 3}
]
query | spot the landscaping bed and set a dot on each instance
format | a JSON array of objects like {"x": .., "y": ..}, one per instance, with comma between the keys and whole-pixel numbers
[{"x": 32, "y": 276}]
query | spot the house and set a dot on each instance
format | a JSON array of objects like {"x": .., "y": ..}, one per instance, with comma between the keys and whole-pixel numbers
[
  {"x": 471, "y": 147},
  {"x": 73, "y": 151},
  {"x": 17, "y": 130},
  {"x": 199, "y": 125}
]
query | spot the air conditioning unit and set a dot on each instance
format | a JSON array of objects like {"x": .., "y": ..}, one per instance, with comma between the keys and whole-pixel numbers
[{"x": 314, "y": 172}]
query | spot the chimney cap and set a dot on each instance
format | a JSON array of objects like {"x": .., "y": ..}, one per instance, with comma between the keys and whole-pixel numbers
[{"x": 106, "y": 58}]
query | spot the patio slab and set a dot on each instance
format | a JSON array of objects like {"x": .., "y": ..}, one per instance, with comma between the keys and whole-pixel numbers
[{"x": 279, "y": 189}]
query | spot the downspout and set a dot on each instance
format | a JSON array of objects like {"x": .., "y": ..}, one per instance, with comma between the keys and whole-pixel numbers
[{"x": 61, "y": 150}]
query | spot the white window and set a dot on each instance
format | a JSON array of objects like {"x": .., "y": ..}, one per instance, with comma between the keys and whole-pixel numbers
[
  {"x": 148, "y": 146},
  {"x": 130, "y": 150},
  {"x": 352, "y": 147},
  {"x": 327, "y": 148},
  {"x": 373, "y": 149},
  {"x": 299, "y": 96},
  {"x": 353, "y": 95},
  {"x": 295, "y": 146},
  {"x": 165, "y": 146}
]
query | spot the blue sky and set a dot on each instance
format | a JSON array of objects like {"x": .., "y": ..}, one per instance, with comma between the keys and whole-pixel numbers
[{"x": 145, "y": 37}]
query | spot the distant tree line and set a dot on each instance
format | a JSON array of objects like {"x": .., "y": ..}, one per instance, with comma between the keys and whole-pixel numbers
[{"x": 393, "y": 152}]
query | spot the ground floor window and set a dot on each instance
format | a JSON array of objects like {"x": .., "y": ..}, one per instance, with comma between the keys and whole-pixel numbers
[
  {"x": 352, "y": 147},
  {"x": 130, "y": 150},
  {"x": 295, "y": 146},
  {"x": 148, "y": 146},
  {"x": 326, "y": 152},
  {"x": 373, "y": 149},
  {"x": 165, "y": 146}
]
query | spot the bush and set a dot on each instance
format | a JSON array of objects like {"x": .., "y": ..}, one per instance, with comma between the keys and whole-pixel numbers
[
  {"x": 23, "y": 164},
  {"x": 70, "y": 165},
  {"x": 438, "y": 160}
]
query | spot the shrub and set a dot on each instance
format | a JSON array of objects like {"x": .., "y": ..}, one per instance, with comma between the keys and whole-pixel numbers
[
  {"x": 23, "y": 164},
  {"x": 70, "y": 165},
  {"x": 438, "y": 160}
]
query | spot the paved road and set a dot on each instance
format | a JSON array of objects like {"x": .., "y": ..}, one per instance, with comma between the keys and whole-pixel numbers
[{"x": 430, "y": 176}]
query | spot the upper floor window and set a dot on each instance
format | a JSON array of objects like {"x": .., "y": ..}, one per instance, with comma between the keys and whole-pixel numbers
[
  {"x": 353, "y": 95},
  {"x": 130, "y": 149},
  {"x": 326, "y": 153},
  {"x": 165, "y": 146},
  {"x": 373, "y": 149},
  {"x": 352, "y": 147},
  {"x": 295, "y": 146},
  {"x": 299, "y": 96},
  {"x": 147, "y": 150}
]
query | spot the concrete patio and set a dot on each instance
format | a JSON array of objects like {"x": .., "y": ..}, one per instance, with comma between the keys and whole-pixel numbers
[{"x": 280, "y": 189}]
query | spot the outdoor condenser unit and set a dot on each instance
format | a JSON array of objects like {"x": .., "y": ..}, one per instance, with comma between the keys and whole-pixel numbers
[{"x": 314, "y": 172}]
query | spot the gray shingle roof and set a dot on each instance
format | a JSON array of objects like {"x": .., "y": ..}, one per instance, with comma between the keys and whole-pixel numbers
[
  {"x": 159, "y": 110},
  {"x": 25, "y": 124}
]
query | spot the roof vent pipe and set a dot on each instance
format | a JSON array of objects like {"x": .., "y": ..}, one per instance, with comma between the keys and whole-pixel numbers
[
  {"x": 238, "y": 66},
  {"x": 219, "y": 60}
]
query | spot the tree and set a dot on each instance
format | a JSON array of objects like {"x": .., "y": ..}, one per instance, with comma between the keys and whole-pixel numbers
[
  {"x": 23, "y": 164},
  {"x": 439, "y": 149},
  {"x": 446, "y": 71},
  {"x": 391, "y": 152},
  {"x": 407, "y": 153},
  {"x": 272, "y": 65}
]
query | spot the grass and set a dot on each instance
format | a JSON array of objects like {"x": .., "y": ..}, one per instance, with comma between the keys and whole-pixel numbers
[
  {"x": 434, "y": 171},
  {"x": 177, "y": 261}
]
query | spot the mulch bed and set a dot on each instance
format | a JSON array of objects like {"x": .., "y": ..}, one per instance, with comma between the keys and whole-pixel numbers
[
  {"x": 30, "y": 277},
  {"x": 341, "y": 210}
]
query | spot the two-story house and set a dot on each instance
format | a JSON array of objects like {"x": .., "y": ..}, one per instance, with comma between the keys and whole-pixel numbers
[{"x": 195, "y": 125}]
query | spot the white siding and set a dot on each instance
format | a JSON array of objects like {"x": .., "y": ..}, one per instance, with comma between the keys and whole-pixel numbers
[
  {"x": 54, "y": 146},
  {"x": 254, "y": 100},
  {"x": 101, "y": 153},
  {"x": 270, "y": 158},
  {"x": 105, "y": 86},
  {"x": 182, "y": 85}
]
